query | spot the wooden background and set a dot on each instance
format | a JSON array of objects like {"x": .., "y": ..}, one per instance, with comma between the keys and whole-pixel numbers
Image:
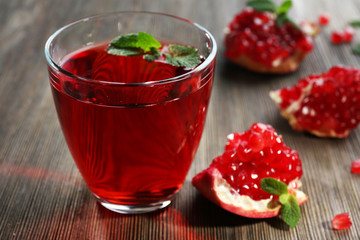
[{"x": 42, "y": 195}]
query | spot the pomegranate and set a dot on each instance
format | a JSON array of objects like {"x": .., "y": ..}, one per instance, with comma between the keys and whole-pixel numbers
[
  {"x": 336, "y": 37},
  {"x": 266, "y": 41},
  {"x": 348, "y": 34},
  {"x": 341, "y": 221},
  {"x": 310, "y": 28},
  {"x": 355, "y": 166},
  {"x": 326, "y": 105},
  {"x": 324, "y": 19},
  {"x": 233, "y": 179}
]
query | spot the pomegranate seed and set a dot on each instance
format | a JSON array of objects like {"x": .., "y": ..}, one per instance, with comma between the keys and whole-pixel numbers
[
  {"x": 324, "y": 19},
  {"x": 341, "y": 221},
  {"x": 348, "y": 34},
  {"x": 355, "y": 166},
  {"x": 336, "y": 37}
]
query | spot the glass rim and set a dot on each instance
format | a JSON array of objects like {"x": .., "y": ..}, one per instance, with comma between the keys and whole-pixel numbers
[{"x": 197, "y": 69}]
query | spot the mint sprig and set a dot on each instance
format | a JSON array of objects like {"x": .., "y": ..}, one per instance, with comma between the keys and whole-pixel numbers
[
  {"x": 262, "y": 5},
  {"x": 134, "y": 43},
  {"x": 356, "y": 50},
  {"x": 146, "y": 45},
  {"x": 180, "y": 55},
  {"x": 290, "y": 210},
  {"x": 355, "y": 23},
  {"x": 281, "y": 11}
]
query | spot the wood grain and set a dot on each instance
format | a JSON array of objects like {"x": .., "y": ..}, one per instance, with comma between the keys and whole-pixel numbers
[{"x": 42, "y": 195}]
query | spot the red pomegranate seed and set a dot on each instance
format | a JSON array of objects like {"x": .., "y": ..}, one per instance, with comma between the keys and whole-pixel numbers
[
  {"x": 348, "y": 34},
  {"x": 324, "y": 19},
  {"x": 255, "y": 154},
  {"x": 355, "y": 166},
  {"x": 336, "y": 37},
  {"x": 341, "y": 221}
]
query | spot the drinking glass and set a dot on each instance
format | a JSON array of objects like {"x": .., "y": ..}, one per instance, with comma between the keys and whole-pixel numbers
[{"x": 133, "y": 141}]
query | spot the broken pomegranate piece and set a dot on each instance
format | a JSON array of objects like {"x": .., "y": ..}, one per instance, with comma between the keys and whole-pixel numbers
[
  {"x": 341, "y": 221},
  {"x": 233, "y": 179},
  {"x": 255, "y": 40},
  {"x": 326, "y": 105}
]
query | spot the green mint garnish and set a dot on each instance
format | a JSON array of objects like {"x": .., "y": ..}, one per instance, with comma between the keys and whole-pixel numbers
[
  {"x": 281, "y": 11},
  {"x": 146, "y": 45},
  {"x": 356, "y": 50},
  {"x": 180, "y": 55},
  {"x": 290, "y": 210},
  {"x": 262, "y": 5},
  {"x": 134, "y": 43},
  {"x": 155, "y": 54},
  {"x": 355, "y": 23},
  {"x": 284, "y": 7}
]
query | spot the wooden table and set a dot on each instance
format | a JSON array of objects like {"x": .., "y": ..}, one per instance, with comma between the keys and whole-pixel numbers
[{"x": 42, "y": 195}]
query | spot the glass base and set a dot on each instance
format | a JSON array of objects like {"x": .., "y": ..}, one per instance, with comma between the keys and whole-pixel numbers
[{"x": 134, "y": 209}]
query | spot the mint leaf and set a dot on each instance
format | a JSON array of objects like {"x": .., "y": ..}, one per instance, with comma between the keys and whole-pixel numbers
[
  {"x": 125, "y": 41},
  {"x": 356, "y": 49},
  {"x": 281, "y": 11},
  {"x": 273, "y": 186},
  {"x": 283, "y": 198},
  {"x": 284, "y": 7},
  {"x": 147, "y": 42},
  {"x": 183, "y": 56},
  {"x": 262, "y": 5},
  {"x": 124, "y": 51},
  {"x": 290, "y": 211},
  {"x": 144, "y": 41},
  {"x": 146, "y": 45},
  {"x": 155, "y": 54},
  {"x": 283, "y": 18},
  {"x": 355, "y": 23}
]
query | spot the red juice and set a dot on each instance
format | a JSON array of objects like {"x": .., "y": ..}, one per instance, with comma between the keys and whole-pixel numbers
[{"x": 133, "y": 143}]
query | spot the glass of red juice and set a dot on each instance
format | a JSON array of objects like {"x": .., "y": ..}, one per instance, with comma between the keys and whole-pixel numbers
[{"x": 132, "y": 126}]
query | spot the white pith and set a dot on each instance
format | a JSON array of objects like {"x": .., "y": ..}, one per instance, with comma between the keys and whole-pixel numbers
[
  {"x": 275, "y": 95},
  {"x": 309, "y": 28},
  {"x": 229, "y": 196}
]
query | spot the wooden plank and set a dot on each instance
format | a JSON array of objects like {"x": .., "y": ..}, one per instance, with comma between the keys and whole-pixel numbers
[{"x": 42, "y": 195}]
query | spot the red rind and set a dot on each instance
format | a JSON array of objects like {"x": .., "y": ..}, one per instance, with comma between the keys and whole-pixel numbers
[
  {"x": 288, "y": 65},
  {"x": 213, "y": 186}
]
